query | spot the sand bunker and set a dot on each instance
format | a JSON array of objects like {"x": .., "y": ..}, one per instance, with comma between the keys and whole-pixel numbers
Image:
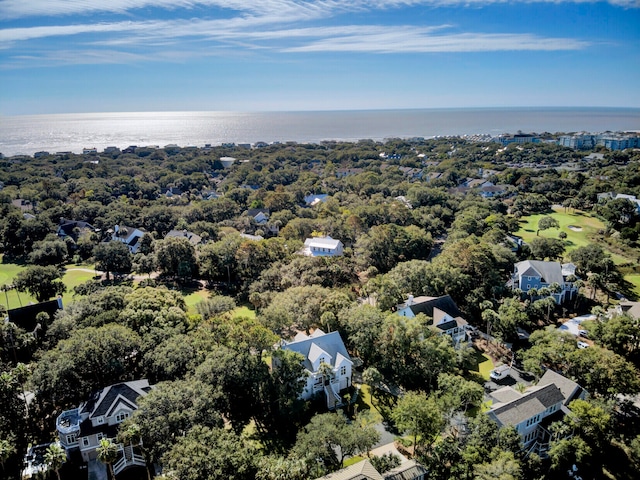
[{"x": 574, "y": 228}]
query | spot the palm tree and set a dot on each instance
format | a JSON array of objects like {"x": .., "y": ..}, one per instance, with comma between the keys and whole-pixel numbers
[
  {"x": 7, "y": 448},
  {"x": 107, "y": 454},
  {"x": 54, "y": 457}
]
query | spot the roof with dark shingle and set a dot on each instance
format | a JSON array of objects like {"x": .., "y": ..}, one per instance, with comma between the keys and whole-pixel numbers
[
  {"x": 528, "y": 405},
  {"x": 570, "y": 389},
  {"x": 427, "y": 304},
  {"x": 102, "y": 401},
  {"x": 444, "y": 321}
]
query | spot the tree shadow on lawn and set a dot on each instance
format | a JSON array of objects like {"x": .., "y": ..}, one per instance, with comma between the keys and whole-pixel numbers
[{"x": 382, "y": 403}]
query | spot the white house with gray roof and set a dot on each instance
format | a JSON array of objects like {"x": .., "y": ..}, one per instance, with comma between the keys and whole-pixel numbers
[
  {"x": 322, "y": 247},
  {"x": 82, "y": 428},
  {"x": 323, "y": 348},
  {"x": 130, "y": 236}
]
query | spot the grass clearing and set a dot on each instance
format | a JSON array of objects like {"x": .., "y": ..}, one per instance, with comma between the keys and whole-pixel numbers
[
  {"x": 587, "y": 224},
  {"x": 352, "y": 460},
  {"x": 483, "y": 365},
  {"x": 193, "y": 298},
  {"x": 72, "y": 278},
  {"x": 244, "y": 311},
  {"x": 588, "y": 227}
]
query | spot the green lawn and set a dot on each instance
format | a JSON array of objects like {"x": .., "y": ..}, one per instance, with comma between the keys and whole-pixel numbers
[
  {"x": 73, "y": 278},
  {"x": 12, "y": 299},
  {"x": 635, "y": 279},
  {"x": 483, "y": 366},
  {"x": 193, "y": 298},
  {"x": 589, "y": 227},
  {"x": 352, "y": 460},
  {"x": 244, "y": 311}
]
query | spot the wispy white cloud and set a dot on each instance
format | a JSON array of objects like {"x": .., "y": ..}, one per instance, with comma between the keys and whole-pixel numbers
[
  {"x": 415, "y": 40},
  {"x": 285, "y": 26},
  {"x": 47, "y": 8}
]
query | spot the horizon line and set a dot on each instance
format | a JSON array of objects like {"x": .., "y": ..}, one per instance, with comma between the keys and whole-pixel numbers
[{"x": 332, "y": 110}]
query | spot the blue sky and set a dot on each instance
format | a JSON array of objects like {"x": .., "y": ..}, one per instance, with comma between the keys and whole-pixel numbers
[{"x": 62, "y": 56}]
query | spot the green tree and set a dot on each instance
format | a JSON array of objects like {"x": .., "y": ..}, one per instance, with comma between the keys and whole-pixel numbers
[
  {"x": 171, "y": 410},
  {"x": 7, "y": 450},
  {"x": 419, "y": 416},
  {"x": 176, "y": 257},
  {"x": 372, "y": 377},
  {"x": 211, "y": 453},
  {"x": 144, "y": 264},
  {"x": 89, "y": 359},
  {"x": 385, "y": 462},
  {"x": 620, "y": 334},
  {"x": 237, "y": 377},
  {"x": 130, "y": 433},
  {"x": 107, "y": 454},
  {"x": 41, "y": 282},
  {"x": 215, "y": 305},
  {"x": 49, "y": 252},
  {"x": 460, "y": 394},
  {"x": 330, "y": 438},
  {"x": 112, "y": 257},
  {"x": 543, "y": 248},
  {"x": 55, "y": 456},
  {"x": 282, "y": 468},
  {"x": 363, "y": 324},
  {"x": 547, "y": 222},
  {"x": 504, "y": 467}
]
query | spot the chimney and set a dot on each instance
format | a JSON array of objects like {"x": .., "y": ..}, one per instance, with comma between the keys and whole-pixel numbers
[{"x": 410, "y": 300}]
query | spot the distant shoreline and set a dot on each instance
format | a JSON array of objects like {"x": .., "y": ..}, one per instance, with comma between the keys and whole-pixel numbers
[{"x": 27, "y": 134}]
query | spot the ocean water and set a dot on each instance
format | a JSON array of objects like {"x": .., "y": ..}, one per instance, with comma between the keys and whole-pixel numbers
[{"x": 72, "y": 132}]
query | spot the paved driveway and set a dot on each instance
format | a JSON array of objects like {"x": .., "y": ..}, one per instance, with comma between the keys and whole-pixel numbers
[
  {"x": 515, "y": 376},
  {"x": 572, "y": 326}
]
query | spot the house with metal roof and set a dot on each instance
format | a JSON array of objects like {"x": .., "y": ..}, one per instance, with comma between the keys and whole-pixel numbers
[
  {"x": 409, "y": 470},
  {"x": 327, "y": 362},
  {"x": 322, "y": 247},
  {"x": 81, "y": 429}
]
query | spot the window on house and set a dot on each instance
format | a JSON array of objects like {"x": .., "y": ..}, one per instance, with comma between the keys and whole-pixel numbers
[
  {"x": 85, "y": 441},
  {"x": 100, "y": 436},
  {"x": 343, "y": 370},
  {"x": 100, "y": 420},
  {"x": 71, "y": 438},
  {"x": 121, "y": 416}
]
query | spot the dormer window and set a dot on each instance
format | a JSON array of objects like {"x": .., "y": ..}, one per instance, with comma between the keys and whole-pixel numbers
[
  {"x": 122, "y": 416},
  {"x": 100, "y": 420}
]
